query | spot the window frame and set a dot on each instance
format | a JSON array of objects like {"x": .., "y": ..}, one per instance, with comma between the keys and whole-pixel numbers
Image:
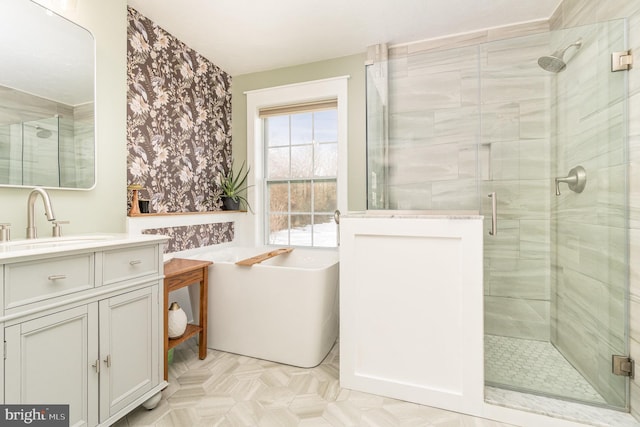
[{"x": 288, "y": 95}]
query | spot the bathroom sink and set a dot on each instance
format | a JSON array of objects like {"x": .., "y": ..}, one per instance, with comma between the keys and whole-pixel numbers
[{"x": 52, "y": 245}]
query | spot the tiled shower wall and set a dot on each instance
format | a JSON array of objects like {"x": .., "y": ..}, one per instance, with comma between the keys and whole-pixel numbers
[
  {"x": 433, "y": 120},
  {"x": 83, "y": 151},
  {"x": 477, "y": 108}
]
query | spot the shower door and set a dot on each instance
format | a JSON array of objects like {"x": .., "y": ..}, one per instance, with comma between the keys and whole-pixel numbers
[{"x": 555, "y": 274}]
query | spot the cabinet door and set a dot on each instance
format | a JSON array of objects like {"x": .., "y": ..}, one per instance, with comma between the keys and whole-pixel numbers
[
  {"x": 129, "y": 340},
  {"x": 49, "y": 362},
  {"x": 1, "y": 367}
]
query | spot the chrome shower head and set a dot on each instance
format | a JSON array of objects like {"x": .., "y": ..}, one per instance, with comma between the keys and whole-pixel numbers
[
  {"x": 552, "y": 63},
  {"x": 42, "y": 132},
  {"x": 555, "y": 63}
]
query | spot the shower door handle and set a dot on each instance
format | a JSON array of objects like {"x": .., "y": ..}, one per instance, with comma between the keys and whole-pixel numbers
[
  {"x": 336, "y": 218},
  {"x": 494, "y": 214}
]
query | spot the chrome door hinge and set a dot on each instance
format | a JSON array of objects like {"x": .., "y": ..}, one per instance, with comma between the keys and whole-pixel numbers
[
  {"x": 621, "y": 61},
  {"x": 622, "y": 365}
]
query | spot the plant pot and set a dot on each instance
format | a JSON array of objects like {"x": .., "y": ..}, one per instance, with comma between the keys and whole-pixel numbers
[{"x": 228, "y": 204}]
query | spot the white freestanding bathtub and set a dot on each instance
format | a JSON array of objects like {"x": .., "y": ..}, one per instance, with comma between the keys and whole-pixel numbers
[{"x": 284, "y": 309}]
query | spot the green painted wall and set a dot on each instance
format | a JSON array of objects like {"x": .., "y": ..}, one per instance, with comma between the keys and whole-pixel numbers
[{"x": 352, "y": 66}]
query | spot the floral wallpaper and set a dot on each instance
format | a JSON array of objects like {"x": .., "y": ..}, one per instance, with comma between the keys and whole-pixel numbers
[
  {"x": 178, "y": 120},
  {"x": 194, "y": 236}
]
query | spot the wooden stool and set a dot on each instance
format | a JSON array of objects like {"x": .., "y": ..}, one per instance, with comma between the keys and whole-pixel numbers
[{"x": 179, "y": 273}]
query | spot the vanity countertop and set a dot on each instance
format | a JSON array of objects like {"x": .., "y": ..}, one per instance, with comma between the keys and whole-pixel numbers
[
  {"x": 27, "y": 248},
  {"x": 426, "y": 214}
]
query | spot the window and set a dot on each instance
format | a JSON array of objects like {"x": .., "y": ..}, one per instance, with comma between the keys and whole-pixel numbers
[
  {"x": 254, "y": 229},
  {"x": 300, "y": 173}
]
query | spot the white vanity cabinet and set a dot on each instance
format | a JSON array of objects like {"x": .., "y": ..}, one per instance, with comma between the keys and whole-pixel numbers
[{"x": 91, "y": 335}]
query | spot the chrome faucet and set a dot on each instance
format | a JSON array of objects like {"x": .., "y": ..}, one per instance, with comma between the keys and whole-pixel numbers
[{"x": 48, "y": 210}]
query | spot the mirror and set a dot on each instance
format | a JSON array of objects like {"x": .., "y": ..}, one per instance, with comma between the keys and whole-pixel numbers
[{"x": 47, "y": 120}]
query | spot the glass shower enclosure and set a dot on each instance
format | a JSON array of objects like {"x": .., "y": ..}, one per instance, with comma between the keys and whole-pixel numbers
[
  {"x": 30, "y": 152},
  {"x": 47, "y": 152},
  {"x": 448, "y": 127}
]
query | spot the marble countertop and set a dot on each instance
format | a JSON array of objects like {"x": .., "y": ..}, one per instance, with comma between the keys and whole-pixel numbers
[
  {"x": 27, "y": 248},
  {"x": 426, "y": 214}
]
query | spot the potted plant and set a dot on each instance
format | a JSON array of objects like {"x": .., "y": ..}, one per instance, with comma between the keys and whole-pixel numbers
[{"x": 231, "y": 186}]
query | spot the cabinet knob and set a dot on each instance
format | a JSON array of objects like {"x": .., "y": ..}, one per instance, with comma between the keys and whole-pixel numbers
[
  {"x": 107, "y": 360},
  {"x": 135, "y": 262},
  {"x": 96, "y": 366},
  {"x": 57, "y": 277}
]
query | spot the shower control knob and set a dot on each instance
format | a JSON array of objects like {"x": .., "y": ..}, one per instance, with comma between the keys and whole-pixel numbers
[{"x": 577, "y": 180}]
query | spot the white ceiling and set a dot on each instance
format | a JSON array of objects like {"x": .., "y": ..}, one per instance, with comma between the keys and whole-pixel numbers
[{"x": 244, "y": 36}]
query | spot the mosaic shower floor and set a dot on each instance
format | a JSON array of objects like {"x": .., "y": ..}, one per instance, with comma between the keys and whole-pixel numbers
[{"x": 534, "y": 366}]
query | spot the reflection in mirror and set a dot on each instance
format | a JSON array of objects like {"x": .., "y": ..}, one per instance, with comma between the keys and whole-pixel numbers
[{"x": 47, "y": 121}]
